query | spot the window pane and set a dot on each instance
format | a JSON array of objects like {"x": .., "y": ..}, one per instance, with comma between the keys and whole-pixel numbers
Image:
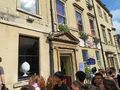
[
  {"x": 61, "y": 19},
  {"x": 29, "y": 5},
  {"x": 85, "y": 55},
  {"x": 28, "y": 52},
  {"x": 60, "y": 8},
  {"x": 104, "y": 35},
  {"x": 60, "y": 12},
  {"x": 97, "y": 55},
  {"x": 92, "y": 26},
  {"x": 78, "y": 17},
  {"x": 79, "y": 21}
]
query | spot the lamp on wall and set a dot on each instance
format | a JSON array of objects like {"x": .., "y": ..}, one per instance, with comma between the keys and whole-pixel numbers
[{"x": 30, "y": 19}]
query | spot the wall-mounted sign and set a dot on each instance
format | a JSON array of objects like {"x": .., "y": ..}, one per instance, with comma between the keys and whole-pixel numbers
[
  {"x": 81, "y": 66},
  {"x": 91, "y": 61}
]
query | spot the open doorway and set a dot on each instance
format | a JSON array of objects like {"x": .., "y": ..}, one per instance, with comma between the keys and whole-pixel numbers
[{"x": 66, "y": 67}]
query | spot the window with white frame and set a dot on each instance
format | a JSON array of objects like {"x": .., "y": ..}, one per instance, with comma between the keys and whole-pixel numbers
[
  {"x": 60, "y": 7},
  {"x": 30, "y": 6},
  {"x": 79, "y": 20}
]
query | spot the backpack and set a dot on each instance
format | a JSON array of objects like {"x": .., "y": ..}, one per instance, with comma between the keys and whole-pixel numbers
[{"x": 89, "y": 87}]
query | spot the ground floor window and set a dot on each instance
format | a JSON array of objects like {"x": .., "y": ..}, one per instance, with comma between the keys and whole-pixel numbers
[
  {"x": 85, "y": 57},
  {"x": 28, "y": 63}
]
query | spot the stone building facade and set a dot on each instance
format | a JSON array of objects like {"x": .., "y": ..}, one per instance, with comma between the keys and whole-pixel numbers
[{"x": 31, "y": 39}]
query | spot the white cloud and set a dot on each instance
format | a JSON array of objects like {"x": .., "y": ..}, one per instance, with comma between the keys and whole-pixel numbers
[
  {"x": 117, "y": 26},
  {"x": 116, "y": 19},
  {"x": 116, "y": 14}
]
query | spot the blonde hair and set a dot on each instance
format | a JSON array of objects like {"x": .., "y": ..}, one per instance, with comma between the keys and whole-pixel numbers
[{"x": 37, "y": 79}]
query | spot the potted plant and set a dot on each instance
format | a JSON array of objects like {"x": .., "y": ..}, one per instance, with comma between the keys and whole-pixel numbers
[
  {"x": 88, "y": 73},
  {"x": 63, "y": 27},
  {"x": 83, "y": 36},
  {"x": 96, "y": 40}
]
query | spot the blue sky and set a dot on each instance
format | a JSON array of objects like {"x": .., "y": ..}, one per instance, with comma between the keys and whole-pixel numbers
[{"x": 114, "y": 7}]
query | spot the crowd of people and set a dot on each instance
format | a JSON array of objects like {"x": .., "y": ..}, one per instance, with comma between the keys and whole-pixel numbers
[{"x": 100, "y": 80}]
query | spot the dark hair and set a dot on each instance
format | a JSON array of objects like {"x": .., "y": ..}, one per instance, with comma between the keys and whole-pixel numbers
[
  {"x": 80, "y": 75},
  {"x": 99, "y": 74},
  {"x": 0, "y": 59},
  {"x": 59, "y": 74},
  {"x": 27, "y": 87},
  {"x": 77, "y": 84},
  {"x": 119, "y": 70}
]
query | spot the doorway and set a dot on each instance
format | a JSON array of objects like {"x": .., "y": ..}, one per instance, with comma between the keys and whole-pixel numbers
[{"x": 67, "y": 67}]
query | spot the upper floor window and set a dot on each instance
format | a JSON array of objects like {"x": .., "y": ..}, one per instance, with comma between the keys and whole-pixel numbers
[
  {"x": 31, "y": 6},
  {"x": 79, "y": 20},
  {"x": 61, "y": 19},
  {"x": 92, "y": 27},
  {"x": 105, "y": 15},
  {"x": 89, "y": 4},
  {"x": 99, "y": 11},
  {"x": 104, "y": 34},
  {"x": 110, "y": 37},
  {"x": 28, "y": 63}
]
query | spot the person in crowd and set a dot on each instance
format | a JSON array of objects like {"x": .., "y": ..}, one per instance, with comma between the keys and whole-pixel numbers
[
  {"x": 49, "y": 84},
  {"x": 2, "y": 80},
  {"x": 80, "y": 75},
  {"x": 41, "y": 82},
  {"x": 34, "y": 81},
  {"x": 76, "y": 85},
  {"x": 27, "y": 87},
  {"x": 103, "y": 72},
  {"x": 118, "y": 78},
  {"x": 104, "y": 84},
  {"x": 60, "y": 85}
]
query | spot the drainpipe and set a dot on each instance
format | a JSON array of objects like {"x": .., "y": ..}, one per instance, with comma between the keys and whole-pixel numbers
[
  {"x": 50, "y": 42},
  {"x": 52, "y": 18},
  {"x": 99, "y": 35}
]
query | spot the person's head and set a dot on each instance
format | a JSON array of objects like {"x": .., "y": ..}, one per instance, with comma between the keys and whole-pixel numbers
[
  {"x": 33, "y": 79},
  {"x": 119, "y": 71},
  {"x": 0, "y": 59},
  {"x": 80, "y": 75},
  {"x": 103, "y": 72},
  {"x": 41, "y": 82},
  {"x": 98, "y": 79},
  {"x": 76, "y": 85},
  {"x": 27, "y": 87},
  {"x": 59, "y": 76}
]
